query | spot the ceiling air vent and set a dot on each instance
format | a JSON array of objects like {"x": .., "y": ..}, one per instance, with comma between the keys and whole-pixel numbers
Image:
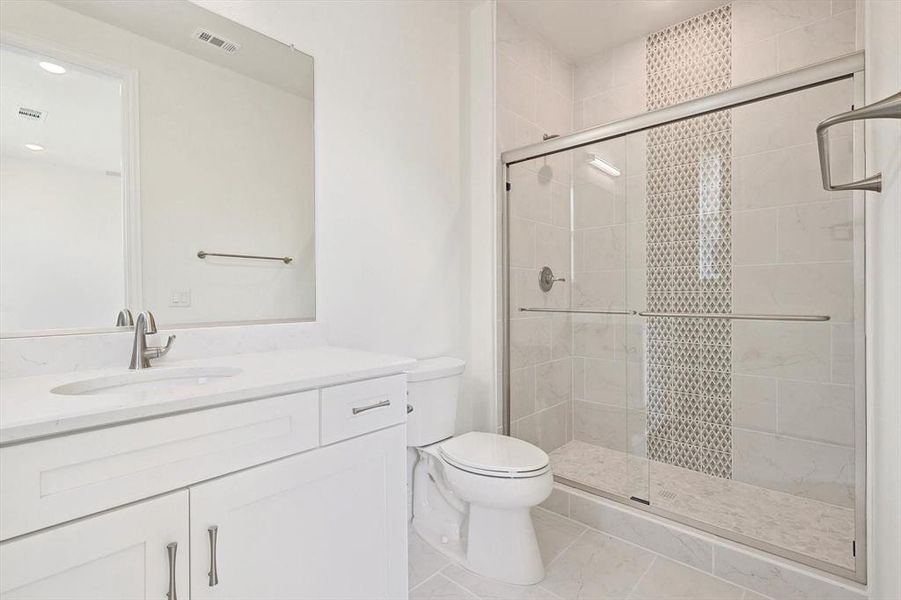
[
  {"x": 32, "y": 114},
  {"x": 208, "y": 37}
]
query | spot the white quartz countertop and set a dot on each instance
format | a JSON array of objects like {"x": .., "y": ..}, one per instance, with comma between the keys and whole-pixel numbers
[{"x": 28, "y": 408}]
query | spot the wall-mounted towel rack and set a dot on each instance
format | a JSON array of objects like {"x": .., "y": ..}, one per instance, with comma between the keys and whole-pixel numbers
[
  {"x": 579, "y": 311},
  {"x": 889, "y": 108},
  {"x": 204, "y": 254},
  {"x": 737, "y": 316}
]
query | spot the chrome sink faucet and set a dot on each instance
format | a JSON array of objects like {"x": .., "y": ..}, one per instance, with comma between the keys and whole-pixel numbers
[{"x": 140, "y": 352}]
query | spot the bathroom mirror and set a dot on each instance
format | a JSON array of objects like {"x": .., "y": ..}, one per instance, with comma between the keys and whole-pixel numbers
[{"x": 153, "y": 156}]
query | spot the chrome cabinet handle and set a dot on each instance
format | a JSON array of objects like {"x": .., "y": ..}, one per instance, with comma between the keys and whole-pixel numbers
[
  {"x": 172, "y": 549},
  {"x": 360, "y": 409},
  {"x": 214, "y": 573},
  {"x": 888, "y": 108}
]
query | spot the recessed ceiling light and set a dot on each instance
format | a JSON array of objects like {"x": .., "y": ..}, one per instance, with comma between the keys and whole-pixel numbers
[
  {"x": 602, "y": 165},
  {"x": 52, "y": 67},
  {"x": 35, "y": 147}
]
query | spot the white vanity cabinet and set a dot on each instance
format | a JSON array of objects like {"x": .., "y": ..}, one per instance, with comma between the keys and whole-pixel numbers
[
  {"x": 325, "y": 524},
  {"x": 306, "y": 492},
  {"x": 118, "y": 555}
]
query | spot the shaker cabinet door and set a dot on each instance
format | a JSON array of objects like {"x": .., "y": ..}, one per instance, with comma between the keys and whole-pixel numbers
[
  {"x": 330, "y": 523},
  {"x": 122, "y": 554}
]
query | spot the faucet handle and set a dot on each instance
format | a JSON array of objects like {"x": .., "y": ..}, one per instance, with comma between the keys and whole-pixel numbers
[{"x": 158, "y": 351}]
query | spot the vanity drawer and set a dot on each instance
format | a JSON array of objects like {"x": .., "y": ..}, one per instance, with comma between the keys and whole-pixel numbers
[
  {"x": 57, "y": 479},
  {"x": 356, "y": 408}
]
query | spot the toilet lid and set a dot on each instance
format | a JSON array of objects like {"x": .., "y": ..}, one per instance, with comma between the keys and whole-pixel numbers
[{"x": 493, "y": 453}]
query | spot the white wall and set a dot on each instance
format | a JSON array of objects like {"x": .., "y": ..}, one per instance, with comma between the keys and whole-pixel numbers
[
  {"x": 390, "y": 210},
  {"x": 882, "y": 41},
  {"x": 60, "y": 245}
]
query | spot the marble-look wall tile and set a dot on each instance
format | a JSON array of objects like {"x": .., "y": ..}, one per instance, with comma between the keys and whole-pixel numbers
[
  {"x": 594, "y": 204},
  {"x": 817, "y": 411},
  {"x": 615, "y": 104},
  {"x": 530, "y": 196},
  {"x": 646, "y": 531},
  {"x": 843, "y": 353},
  {"x": 561, "y": 205},
  {"x": 522, "y": 392},
  {"x": 816, "y": 232},
  {"x": 553, "y": 383},
  {"x": 637, "y": 153},
  {"x": 755, "y": 403},
  {"x": 517, "y": 89},
  {"x": 548, "y": 429},
  {"x": 603, "y": 248},
  {"x": 636, "y": 202},
  {"x": 596, "y": 337},
  {"x": 782, "y": 349},
  {"x": 777, "y": 580},
  {"x": 757, "y": 19},
  {"x": 599, "y": 289},
  {"x": 530, "y": 342},
  {"x": 788, "y": 120},
  {"x": 561, "y": 336},
  {"x": 749, "y": 229},
  {"x": 552, "y": 248},
  {"x": 753, "y": 60},
  {"x": 601, "y": 425},
  {"x": 816, "y": 42},
  {"x": 787, "y": 176},
  {"x": 811, "y": 288},
  {"x": 593, "y": 76},
  {"x": 813, "y": 470},
  {"x": 605, "y": 381},
  {"x": 522, "y": 243}
]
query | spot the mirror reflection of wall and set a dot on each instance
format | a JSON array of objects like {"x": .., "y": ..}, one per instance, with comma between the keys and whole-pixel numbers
[
  {"x": 62, "y": 209},
  {"x": 159, "y": 141}
]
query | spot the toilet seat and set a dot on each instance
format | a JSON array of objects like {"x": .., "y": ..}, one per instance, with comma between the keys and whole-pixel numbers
[{"x": 493, "y": 455}]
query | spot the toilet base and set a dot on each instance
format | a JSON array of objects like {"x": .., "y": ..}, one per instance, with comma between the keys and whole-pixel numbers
[{"x": 502, "y": 545}]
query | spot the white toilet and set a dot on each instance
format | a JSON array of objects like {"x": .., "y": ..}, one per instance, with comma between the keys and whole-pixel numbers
[{"x": 472, "y": 494}]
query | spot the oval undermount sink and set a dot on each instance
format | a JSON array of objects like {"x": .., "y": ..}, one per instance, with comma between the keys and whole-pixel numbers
[{"x": 147, "y": 380}]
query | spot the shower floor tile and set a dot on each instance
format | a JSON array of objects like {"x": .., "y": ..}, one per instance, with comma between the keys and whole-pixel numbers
[{"x": 815, "y": 529}]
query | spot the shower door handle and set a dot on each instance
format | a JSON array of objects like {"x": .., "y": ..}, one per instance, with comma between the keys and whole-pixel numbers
[{"x": 889, "y": 108}]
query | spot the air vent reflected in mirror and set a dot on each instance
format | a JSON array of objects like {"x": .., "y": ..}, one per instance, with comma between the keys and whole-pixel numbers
[{"x": 208, "y": 37}]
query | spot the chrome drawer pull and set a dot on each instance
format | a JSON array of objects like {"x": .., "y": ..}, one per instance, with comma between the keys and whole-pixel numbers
[
  {"x": 172, "y": 549},
  {"x": 214, "y": 573},
  {"x": 359, "y": 409}
]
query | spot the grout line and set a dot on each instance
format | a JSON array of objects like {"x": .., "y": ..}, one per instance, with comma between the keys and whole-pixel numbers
[{"x": 640, "y": 579}]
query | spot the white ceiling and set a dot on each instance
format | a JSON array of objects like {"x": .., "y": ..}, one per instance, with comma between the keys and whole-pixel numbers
[
  {"x": 83, "y": 123},
  {"x": 172, "y": 23},
  {"x": 582, "y": 28}
]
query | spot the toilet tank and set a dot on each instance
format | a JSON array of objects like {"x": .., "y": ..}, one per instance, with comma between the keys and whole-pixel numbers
[{"x": 433, "y": 389}]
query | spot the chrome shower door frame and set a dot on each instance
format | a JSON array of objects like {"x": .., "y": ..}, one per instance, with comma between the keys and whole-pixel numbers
[{"x": 850, "y": 66}]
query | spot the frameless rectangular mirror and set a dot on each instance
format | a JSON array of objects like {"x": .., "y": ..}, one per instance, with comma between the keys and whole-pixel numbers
[{"x": 153, "y": 155}]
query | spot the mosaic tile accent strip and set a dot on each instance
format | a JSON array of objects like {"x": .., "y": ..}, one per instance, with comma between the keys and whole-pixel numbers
[{"x": 689, "y": 249}]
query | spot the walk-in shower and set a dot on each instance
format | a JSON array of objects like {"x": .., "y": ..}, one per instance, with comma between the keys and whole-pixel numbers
[{"x": 700, "y": 355}]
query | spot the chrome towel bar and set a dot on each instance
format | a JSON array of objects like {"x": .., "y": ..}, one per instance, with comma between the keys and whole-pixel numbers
[
  {"x": 889, "y": 108},
  {"x": 580, "y": 311},
  {"x": 284, "y": 259},
  {"x": 737, "y": 316}
]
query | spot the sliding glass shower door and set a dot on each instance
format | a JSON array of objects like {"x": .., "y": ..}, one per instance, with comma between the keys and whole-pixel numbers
[{"x": 698, "y": 348}]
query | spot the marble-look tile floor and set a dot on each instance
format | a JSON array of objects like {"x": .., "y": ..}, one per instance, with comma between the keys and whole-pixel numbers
[
  {"x": 582, "y": 564},
  {"x": 816, "y": 529}
]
